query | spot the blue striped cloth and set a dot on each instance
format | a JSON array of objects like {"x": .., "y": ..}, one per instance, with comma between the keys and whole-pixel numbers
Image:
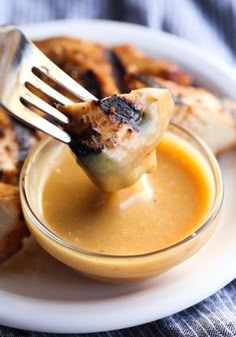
[{"x": 210, "y": 24}]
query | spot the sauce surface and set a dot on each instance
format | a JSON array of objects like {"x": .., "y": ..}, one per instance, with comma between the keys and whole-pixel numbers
[{"x": 163, "y": 208}]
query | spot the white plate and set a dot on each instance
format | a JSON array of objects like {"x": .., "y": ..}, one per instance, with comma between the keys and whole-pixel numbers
[{"x": 39, "y": 293}]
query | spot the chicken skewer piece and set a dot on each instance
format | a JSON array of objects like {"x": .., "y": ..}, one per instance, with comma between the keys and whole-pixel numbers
[{"x": 12, "y": 227}]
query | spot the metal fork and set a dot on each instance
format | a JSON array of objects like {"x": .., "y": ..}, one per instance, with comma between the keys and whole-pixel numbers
[{"x": 21, "y": 65}]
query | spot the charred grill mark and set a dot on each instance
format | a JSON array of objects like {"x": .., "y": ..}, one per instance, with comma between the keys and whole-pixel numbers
[
  {"x": 87, "y": 143},
  {"x": 117, "y": 69},
  {"x": 151, "y": 82},
  {"x": 23, "y": 135},
  {"x": 86, "y": 78},
  {"x": 91, "y": 83},
  {"x": 85, "y": 140},
  {"x": 147, "y": 80},
  {"x": 123, "y": 110},
  {"x": 97, "y": 130},
  {"x": 2, "y": 132}
]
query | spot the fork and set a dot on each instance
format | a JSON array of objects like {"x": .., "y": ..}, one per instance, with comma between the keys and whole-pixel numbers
[{"x": 23, "y": 68}]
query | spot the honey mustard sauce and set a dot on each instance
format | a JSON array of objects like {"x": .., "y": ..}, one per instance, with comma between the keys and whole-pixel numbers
[{"x": 161, "y": 209}]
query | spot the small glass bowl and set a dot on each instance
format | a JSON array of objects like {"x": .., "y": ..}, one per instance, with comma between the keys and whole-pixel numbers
[{"x": 112, "y": 268}]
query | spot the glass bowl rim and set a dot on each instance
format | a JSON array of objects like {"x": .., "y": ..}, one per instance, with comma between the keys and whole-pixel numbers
[{"x": 213, "y": 213}]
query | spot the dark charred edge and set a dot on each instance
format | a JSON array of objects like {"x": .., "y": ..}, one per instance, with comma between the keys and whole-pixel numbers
[
  {"x": 23, "y": 135},
  {"x": 123, "y": 110},
  {"x": 147, "y": 80},
  {"x": 86, "y": 143},
  {"x": 117, "y": 69},
  {"x": 151, "y": 82},
  {"x": 2, "y": 132},
  {"x": 91, "y": 83}
]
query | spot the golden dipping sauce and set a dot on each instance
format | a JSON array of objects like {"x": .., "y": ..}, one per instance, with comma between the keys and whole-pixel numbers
[
  {"x": 132, "y": 234},
  {"x": 163, "y": 208}
]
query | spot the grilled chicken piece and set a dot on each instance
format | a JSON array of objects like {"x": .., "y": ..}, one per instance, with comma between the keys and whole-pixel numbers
[
  {"x": 9, "y": 150},
  {"x": 12, "y": 226},
  {"x": 15, "y": 141},
  {"x": 197, "y": 110},
  {"x": 115, "y": 138},
  {"x": 86, "y": 62},
  {"x": 135, "y": 62},
  {"x": 26, "y": 138}
]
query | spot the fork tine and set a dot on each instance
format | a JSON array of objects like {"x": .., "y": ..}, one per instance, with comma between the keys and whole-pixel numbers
[
  {"x": 38, "y": 122},
  {"x": 38, "y": 103},
  {"x": 49, "y": 69},
  {"x": 40, "y": 85},
  {"x": 18, "y": 82}
]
